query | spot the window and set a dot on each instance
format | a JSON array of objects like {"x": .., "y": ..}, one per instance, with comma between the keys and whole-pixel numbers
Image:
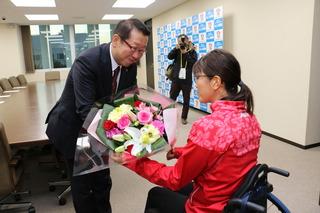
[
  {"x": 56, "y": 46},
  {"x": 39, "y": 46},
  {"x": 84, "y": 37},
  {"x": 90, "y": 35},
  {"x": 59, "y": 46}
]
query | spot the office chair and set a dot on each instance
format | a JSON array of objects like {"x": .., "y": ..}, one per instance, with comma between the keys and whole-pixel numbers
[
  {"x": 4, "y": 83},
  {"x": 62, "y": 195},
  {"x": 14, "y": 82},
  {"x": 22, "y": 80},
  {"x": 255, "y": 191},
  {"x": 11, "y": 171},
  {"x": 60, "y": 183}
]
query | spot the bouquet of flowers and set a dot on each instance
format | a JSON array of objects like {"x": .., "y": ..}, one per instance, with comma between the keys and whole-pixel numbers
[{"x": 141, "y": 126}]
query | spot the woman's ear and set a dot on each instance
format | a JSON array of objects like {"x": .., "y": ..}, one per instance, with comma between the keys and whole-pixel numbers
[{"x": 215, "y": 82}]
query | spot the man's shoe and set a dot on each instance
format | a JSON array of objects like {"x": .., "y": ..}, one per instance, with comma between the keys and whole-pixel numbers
[{"x": 184, "y": 121}]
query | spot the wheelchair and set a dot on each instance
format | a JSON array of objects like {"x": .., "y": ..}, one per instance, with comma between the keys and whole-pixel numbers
[{"x": 255, "y": 191}]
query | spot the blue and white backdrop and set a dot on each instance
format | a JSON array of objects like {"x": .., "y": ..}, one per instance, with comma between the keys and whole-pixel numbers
[{"x": 206, "y": 32}]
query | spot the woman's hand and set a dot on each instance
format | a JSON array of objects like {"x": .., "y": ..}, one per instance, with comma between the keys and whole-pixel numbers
[
  {"x": 117, "y": 157},
  {"x": 122, "y": 158},
  {"x": 170, "y": 155}
]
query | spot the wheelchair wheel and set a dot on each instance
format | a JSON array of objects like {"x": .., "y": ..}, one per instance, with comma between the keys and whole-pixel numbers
[{"x": 277, "y": 202}]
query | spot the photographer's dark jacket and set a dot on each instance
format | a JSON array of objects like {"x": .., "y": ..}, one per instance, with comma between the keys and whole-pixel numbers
[{"x": 188, "y": 59}]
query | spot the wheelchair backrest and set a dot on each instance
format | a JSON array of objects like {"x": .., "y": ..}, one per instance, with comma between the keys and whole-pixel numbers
[
  {"x": 254, "y": 176},
  {"x": 254, "y": 188}
]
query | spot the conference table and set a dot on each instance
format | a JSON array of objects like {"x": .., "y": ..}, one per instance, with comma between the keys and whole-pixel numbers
[{"x": 24, "y": 113}]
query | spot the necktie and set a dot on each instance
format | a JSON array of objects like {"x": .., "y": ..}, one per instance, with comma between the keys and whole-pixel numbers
[{"x": 114, "y": 80}]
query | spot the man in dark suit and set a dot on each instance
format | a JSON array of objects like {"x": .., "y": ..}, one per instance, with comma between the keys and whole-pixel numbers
[{"x": 95, "y": 75}]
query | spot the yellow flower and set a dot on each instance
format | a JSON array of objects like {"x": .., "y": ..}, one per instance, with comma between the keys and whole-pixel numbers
[
  {"x": 149, "y": 134},
  {"x": 125, "y": 108},
  {"x": 118, "y": 112}
]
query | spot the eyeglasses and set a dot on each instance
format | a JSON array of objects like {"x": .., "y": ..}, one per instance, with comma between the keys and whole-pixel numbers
[
  {"x": 134, "y": 49},
  {"x": 196, "y": 77}
]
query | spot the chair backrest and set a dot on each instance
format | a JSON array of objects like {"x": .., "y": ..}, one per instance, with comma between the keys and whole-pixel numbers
[
  {"x": 6, "y": 180},
  {"x": 22, "y": 80},
  {"x": 5, "y": 84},
  {"x": 52, "y": 76},
  {"x": 14, "y": 81}
]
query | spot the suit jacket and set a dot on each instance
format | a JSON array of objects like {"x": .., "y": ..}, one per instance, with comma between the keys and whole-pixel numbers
[{"x": 89, "y": 80}]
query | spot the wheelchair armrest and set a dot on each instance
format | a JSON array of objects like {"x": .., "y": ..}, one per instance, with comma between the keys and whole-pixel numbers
[
  {"x": 279, "y": 171},
  {"x": 237, "y": 202}
]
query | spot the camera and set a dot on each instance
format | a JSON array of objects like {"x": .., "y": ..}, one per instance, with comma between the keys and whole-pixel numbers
[{"x": 182, "y": 46}]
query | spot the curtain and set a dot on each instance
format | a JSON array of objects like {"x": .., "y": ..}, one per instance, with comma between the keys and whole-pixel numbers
[{"x": 27, "y": 48}]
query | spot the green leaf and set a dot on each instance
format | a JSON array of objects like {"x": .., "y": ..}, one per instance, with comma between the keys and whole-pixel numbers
[
  {"x": 173, "y": 105},
  {"x": 119, "y": 149},
  {"x": 100, "y": 130},
  {"x": 127, "y": 100}
]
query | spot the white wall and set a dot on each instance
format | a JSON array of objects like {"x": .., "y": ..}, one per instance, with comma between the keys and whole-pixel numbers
[
  {"x": 142, "y": 72},
  {"x": 313, "y": 123},
  {"x": 40, "y": 75},
  {"x": 11, "y": 51},
  {"x": 272, "y": 41}
]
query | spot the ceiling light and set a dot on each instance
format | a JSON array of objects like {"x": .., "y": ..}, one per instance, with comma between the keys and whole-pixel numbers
[
  {"x": 42, "y": 17},
  {"x": 132, "y": 3},
  {"x": 34, "y": 3},
  {"x": 116, "y": 16}
]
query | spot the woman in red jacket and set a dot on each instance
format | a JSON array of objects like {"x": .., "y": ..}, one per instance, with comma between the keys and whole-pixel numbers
[{"x": 221, "y": 147}]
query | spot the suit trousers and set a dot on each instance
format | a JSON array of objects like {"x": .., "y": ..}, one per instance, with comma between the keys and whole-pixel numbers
[
  {"x": 163, "y": 200},
  {"x": 176, "y": 87},
  {"x": 91, "y": 192}
]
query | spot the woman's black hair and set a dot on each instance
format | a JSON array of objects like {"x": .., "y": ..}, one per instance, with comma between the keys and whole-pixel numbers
[
  {"x": 222, "y": 63},
  {"x": 124, "y": 28}
]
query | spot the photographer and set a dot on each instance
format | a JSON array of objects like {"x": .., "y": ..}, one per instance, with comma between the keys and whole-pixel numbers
[{"x": 184, "y": 56}]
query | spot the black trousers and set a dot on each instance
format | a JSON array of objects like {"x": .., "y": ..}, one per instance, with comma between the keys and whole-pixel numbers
[
  {"x": 176, "y": 87},
  {"x": 91, "y": 192},
  {"x": 162, "y": 200}
]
